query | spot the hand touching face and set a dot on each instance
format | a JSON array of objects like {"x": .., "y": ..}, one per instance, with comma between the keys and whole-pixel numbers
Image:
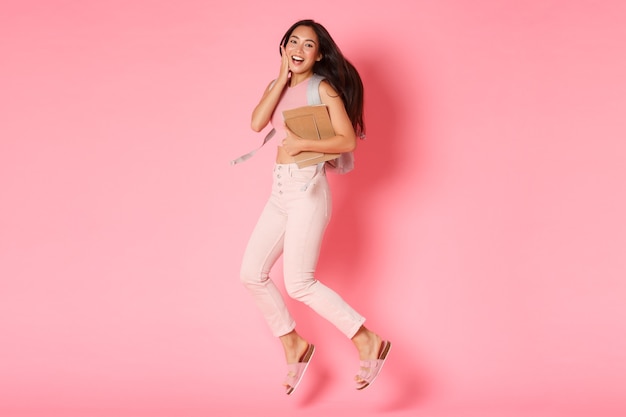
[{"x": 284, "y": 64}]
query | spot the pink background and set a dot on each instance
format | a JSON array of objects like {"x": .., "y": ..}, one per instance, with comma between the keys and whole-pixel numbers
[{"x": 483, "y": 231}]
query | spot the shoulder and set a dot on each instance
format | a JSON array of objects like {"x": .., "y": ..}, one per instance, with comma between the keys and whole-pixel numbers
[{"x": 327, "y": 92}]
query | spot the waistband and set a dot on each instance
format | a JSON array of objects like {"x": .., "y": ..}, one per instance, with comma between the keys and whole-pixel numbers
[
  {"x": 294, "y": 167},
  {"x": 317, "y": 169}
]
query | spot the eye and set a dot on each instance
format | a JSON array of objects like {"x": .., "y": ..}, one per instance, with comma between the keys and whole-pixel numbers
[{"x": 308, "y": 45}]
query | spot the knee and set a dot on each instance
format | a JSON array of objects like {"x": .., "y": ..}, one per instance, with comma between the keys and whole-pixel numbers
[
  {"x": 251, "y": 276},
  {"x": 300, "y": 288}
]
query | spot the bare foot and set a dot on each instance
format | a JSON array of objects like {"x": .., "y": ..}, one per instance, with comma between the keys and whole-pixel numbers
[
  {"x": 367, "y": 343},
  {"x": 372, "y": 353},
  {"x": 294, "y": 345}
]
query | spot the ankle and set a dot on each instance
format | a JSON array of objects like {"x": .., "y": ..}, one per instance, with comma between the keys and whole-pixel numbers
[
  {"x": 294, "y": 346},
  {"x": 363, "y": 336},
  {"x": 291, "y": 339},
  {"x": 367, "y": 343}
]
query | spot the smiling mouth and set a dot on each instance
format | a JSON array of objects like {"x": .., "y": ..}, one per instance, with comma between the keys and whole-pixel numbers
[{"x": 297, "y": 59}]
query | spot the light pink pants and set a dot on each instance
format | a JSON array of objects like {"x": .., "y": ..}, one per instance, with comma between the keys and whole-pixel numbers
[{"x": 293, "y": 224}]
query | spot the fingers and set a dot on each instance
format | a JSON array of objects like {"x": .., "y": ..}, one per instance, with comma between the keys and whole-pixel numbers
[
  {"x": 288, "y": 146},
  {"x": 284, "y": 67}
]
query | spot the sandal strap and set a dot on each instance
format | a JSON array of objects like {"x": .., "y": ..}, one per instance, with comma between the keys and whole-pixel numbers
[
  {"x": 295, "y": 371},
  {"x": 369, "y": 368}
]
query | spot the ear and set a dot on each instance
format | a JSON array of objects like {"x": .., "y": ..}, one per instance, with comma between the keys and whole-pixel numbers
[{"x": 319, "y": 58}]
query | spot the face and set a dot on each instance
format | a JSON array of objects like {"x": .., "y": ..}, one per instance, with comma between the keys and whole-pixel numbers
[{"x": 302, "y": 49}]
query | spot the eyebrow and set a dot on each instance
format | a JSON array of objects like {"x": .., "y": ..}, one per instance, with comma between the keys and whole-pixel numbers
[{"x": 306, "y": 40}]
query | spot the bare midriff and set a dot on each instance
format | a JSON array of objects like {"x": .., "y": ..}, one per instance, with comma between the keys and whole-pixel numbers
[{"x": 282, "y": 157}]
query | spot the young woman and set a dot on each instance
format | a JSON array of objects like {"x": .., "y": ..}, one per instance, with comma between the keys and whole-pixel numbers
[{"x": 294, "y": 219}]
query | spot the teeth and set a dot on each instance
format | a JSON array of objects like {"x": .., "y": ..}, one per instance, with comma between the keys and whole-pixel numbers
[{"x": 297, "y": 58}]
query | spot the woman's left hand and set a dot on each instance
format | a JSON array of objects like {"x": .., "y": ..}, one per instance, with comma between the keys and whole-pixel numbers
[{"x": 292, "y": 144}]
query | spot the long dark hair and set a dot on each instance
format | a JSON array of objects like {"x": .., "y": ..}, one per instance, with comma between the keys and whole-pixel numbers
[{"x": 338, "y": 71}]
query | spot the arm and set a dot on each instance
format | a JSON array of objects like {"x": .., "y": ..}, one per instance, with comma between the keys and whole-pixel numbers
[
  {"x": 344, "y": 139},
  {"x": 263, "y": 111}
]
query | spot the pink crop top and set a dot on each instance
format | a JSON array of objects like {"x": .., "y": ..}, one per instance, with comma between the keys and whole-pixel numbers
[{"x": 291, "y": 98}]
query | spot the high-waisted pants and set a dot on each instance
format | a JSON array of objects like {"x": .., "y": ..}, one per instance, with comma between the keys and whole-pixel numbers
[{"x": 292, "y": 224}]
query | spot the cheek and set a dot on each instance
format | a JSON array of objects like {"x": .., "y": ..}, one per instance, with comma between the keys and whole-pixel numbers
[{"x": 313, "y": 53}]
